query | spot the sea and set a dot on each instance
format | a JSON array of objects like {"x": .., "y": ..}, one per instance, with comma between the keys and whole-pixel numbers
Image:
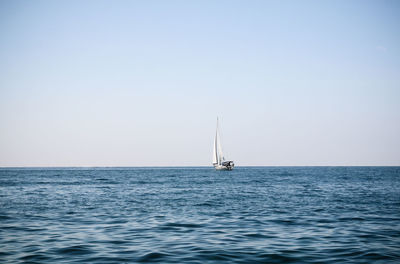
[{"x": 199, "y": 215}]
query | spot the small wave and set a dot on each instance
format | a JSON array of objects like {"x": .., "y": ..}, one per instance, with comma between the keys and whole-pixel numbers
[
  {"x": 116, "y": 221},
  {"x": 257, "y": 235},
  {"x": 215, "y": 255},
  {"x": 378, "y": 256},
  {"x": 5, "y": 217},
  {"x": 220, "y": 257},
  {"x": 284, "y": 222},
  {"x": 276, "y": 258},
  {"x": 179, "y": 226},
  {"x": 285, "y": 174},
  {"x": 74, "y": 250},
  {"x": 151, "y": 257},
  {"x": 188, "y": 225},
  {"x": 351, "y": 219},
  {"x": 107, "y": 260},
  {"x": 34, "y": 257},
  {"x": 118, "y": 242},
  {"x": 325, "y": 221},
  {"x": 3, "y": 253},
  {"x": 24, "y": 229},
  {"x": 207, "y": 204}
]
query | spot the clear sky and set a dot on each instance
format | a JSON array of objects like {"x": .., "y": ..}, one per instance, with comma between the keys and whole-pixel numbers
[{"x": 140, "y": 83}]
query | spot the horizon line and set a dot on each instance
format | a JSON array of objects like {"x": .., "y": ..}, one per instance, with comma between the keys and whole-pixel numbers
[{"x": 192, "y": 166}]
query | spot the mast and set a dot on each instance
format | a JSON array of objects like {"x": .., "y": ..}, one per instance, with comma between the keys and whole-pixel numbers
[
  {"x": 220, "y": 153},
  {"x": 215, "y": 149}
]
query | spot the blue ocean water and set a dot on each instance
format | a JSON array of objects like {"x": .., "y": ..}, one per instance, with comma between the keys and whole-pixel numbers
[{"x": 198, "y": 215}]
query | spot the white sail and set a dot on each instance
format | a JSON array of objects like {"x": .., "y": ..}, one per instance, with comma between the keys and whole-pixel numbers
[
  {"x": 215, "y": 155},
  {"x": 218, "y": 156},
  {"x": 219, "y": 152}
]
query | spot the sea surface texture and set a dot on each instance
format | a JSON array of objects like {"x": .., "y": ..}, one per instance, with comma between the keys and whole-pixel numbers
[{"x": 198, "y": 215}]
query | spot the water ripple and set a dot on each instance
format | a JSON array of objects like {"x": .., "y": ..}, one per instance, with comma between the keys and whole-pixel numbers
[{"x": 198, "y": 215}]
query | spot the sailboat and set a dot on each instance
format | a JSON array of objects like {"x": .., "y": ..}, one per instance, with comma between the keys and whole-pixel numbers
[{"x": 219, "y": 161}]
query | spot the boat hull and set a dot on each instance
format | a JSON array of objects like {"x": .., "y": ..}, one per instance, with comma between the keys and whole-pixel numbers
[
  {"x": 222, "y": 168},
  {"x": 227, "y": 165}
]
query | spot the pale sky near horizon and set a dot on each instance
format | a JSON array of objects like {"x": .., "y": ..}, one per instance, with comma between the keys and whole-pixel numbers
[{"x": 140, "y": 83}]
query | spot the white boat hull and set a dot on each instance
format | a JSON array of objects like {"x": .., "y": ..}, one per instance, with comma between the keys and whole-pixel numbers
[
  {"x": 221, "y": 168},
  {"x": 227, "y": 165}
]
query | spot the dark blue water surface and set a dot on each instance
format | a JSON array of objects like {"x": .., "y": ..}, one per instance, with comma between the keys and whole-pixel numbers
[{"x": 198, "y": 215}]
